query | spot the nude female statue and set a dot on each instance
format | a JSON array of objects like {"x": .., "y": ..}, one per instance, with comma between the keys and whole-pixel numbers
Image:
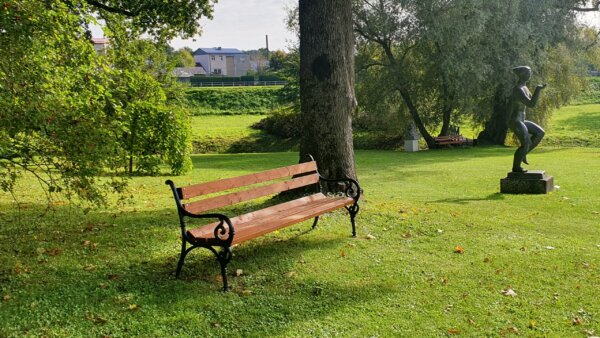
[{"x": 528, "y": 133}]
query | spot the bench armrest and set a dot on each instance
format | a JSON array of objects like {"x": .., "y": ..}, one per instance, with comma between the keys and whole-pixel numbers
[
  {"x": 224, "y": 230},
  {"x": 351, "y": 186}
]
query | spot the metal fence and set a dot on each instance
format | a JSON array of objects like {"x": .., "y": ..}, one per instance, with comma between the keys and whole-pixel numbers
[{"x": 238, "y": 84}]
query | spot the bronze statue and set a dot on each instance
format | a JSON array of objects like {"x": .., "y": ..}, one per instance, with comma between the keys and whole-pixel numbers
[{"x": 528, "y": 133}]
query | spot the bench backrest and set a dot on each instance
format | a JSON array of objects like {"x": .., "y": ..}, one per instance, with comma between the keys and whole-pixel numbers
[{"x": 306, "y": 174}]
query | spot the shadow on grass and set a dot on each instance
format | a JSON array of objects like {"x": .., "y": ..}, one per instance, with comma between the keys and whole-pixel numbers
[
  {"x": 588, "y": 123},
  {"x": 491, "y": 197},
  {"x": 110, "y": 270}
]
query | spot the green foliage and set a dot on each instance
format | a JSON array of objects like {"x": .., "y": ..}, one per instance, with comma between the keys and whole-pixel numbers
[
  {"x": 453, "y": 59},
  {"x": 69, "y": 115},
  {"x": 183, "y": 58},
  {"x": 591, "y": 94},
  {"x": 233, "y": 100},
  {"x": 283, "y": 123}
]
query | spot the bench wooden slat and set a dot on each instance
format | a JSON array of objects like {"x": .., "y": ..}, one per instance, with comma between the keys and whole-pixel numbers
[
  {"x": 250, "y": 194},
  {"x": 253, "y": 230},
  {"x": 207, "y": 231},
  {"x": 270, "y": 219},
  {"x": 241, "y": 181}
]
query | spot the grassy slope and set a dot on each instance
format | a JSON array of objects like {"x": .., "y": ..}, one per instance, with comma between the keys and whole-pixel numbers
[{"x": 109, "y": 273}]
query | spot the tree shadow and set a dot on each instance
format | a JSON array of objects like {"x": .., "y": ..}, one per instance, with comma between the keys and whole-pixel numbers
[
  {"x": 589, "y": 122},
  {"x": 131, "y": 269},
  {"x": 491, "y": 197}
]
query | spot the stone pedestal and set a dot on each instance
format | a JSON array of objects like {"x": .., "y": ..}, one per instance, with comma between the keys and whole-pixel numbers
[
  {"x": 411, "y": 145},
  {"x": 530, "y": 182}
]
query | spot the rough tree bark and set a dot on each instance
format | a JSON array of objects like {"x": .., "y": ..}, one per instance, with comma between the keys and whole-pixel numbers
[
  {"x": 497, "y": 127},
  {"x": 327, "y": 85}
]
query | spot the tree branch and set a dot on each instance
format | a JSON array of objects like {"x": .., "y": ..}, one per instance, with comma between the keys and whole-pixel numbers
[
  {"x": 594, "y": 8},
  {"x": 115, "y": 10}
]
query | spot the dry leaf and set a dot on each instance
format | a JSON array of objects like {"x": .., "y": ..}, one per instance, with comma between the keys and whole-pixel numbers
[
  {"x": 89, "y": 268},
  {"x": 54, "y": 252},
  {"x": 113, "y": 277},
  {"x": 453, "y": 331},
  {"x": 6, "y": 297},
  {"x": 407, "y": 235},
  {"x": 343, "y": 253},
  {"x": 369, "y": 236},
  {"x": 532, "y": 324},
  {"x": 444, "y": 280},
  {"x": 577, "y": 321},
  {"x": 487, "y": 260},
  {"x": 291, "y": 274},
  {"x": 239, "y": 272},
  {"x": 86, "y": 243},
  {"x": 509, "y": 292},
  {"x": 133, "y": 307},
  {"x": 459, "y": 249}
]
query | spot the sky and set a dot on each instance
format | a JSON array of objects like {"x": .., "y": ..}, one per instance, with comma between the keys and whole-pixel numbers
[{"x": 243, "y": 24}]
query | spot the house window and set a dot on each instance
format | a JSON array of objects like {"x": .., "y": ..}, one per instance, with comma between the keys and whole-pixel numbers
[
  {"x": 212, "y": 57},
  {"x": 221, "y": 57},
  {"x": 217, "y": 71}
]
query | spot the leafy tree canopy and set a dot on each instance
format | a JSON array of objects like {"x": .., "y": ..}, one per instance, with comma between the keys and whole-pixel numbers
[{"x": 77, "y": 119}]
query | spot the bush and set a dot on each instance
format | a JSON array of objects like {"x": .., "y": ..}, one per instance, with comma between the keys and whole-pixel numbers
[
  {"x": 233, "y": 100},
  {"x": 283, "y": 123}
]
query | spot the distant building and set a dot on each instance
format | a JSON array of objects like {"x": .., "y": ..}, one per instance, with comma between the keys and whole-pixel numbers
[
  {"x": 222, "y": 61},
  {"x": 100, "y": 45}
]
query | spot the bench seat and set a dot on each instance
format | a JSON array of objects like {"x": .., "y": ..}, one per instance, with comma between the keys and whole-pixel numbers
[{"x": 260, "y": 222}]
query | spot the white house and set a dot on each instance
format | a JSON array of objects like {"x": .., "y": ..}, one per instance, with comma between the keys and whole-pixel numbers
[
  {"x": 222, "y": 61},
  {"x": 100, "y": 45}
]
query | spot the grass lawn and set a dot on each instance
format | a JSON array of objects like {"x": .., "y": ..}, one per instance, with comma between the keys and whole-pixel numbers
[
  {"x": 109, "y": 273},
  {"x": 574, "y": 126}
]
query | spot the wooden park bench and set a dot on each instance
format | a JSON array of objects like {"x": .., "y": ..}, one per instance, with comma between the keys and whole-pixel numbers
[
  {"x": 227, "y": 232},
  {"x": 450, "y": 140}
]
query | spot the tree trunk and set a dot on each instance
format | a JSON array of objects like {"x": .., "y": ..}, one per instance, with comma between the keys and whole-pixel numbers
[
  {"x": 497, "y": 127},
  {"x": 417, "y": 119},
  {"x": 327, "y": 85}
]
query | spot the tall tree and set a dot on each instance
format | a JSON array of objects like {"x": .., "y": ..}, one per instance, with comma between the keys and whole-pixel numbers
[
  {"x": 327, "y": 85},
  {"x": 72, "y": 117}
]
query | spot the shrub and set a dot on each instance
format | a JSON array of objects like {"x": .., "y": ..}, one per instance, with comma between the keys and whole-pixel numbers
[
  {"x": 233, "y": 100},
  {"x": 283, "y": 123}
]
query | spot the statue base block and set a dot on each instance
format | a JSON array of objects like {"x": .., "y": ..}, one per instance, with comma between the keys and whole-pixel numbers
[{"x": 530, "y": 182}]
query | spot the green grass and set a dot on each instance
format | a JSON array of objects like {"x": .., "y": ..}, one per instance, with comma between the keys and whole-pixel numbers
[
  {"x": 232, "y": 134},
  {"x": 109, "y": 273},
  {"x": 574, "y": 126}
]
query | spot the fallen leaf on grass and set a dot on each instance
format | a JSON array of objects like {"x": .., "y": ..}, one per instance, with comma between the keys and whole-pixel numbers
[
  {"x": 453, "y": 331},
  {"x": 577, "y": 321},
  {"x": 89, "y": 268},
  {"x": 532, "y": 324},
  {"x": 6, "y": 298},
  {"x": 459, "y": 249},
  {"x": 95, "y": 319},
  {"x": 113, "y": 276},
  {"x": 239, "y": 272},
  {"x": 343, "y": 253},
  {"x": 509, "y": 292},
  {"x": 369, "y": 236},
  {"x": 291, "y": 274},
  {"x": 54, "y": 252},
  {"x": 549, "y": 247},
  {"x": 133, "y": 307}
]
